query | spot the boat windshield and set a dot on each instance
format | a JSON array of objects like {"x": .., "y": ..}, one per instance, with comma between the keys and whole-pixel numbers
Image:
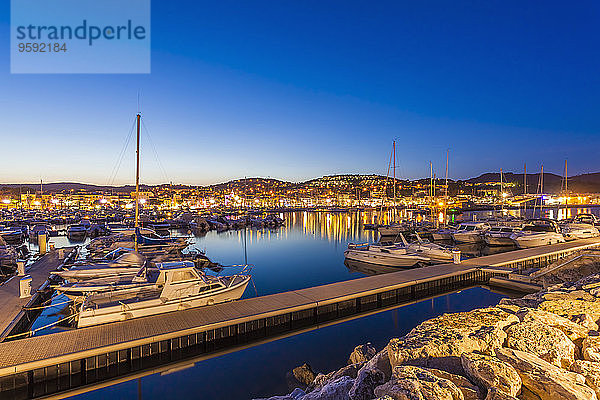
[{"x": 538, "y": 228}]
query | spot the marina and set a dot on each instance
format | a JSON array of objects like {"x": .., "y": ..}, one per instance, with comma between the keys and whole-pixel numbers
[{"x": 63, "y": 360}]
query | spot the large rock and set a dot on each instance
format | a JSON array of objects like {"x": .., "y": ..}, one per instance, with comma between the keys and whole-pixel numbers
[
  {"x": 574, "y": 331},
  {"x": 295, "y": 395},
  {"x": 546, "y": 342},
  {"x": 570, "y": 304},
  {"x": 362, "y": 353},
  {"x": 439, "y": 342},
  {"x": 586, "y": 321},
  {"x": 469, "y": 390},
  {"x": 590, "y": 348},
  {"x": 304, "y": 374},
  {"x": 495, "y": 394},
  {"x": 491, "y": 373},
  {"x": 546, "y": 380},
  {"x": 590, "y": 371},
  {"x": 334, "y": 390},
  {"x": 414, "y": 383},
  {"x": 322, "y": 379},
  {"x": 368, "y": 378}
]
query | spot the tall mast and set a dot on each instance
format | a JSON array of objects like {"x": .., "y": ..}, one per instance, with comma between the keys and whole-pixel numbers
[
  {"x": 502, "y": 189},
  {"x": 525, "y": 189},
  {"x": 137, "y": 183},
  {"x": 566, "y": 177},
  {"x": 446, "y": 192},
  {"x": 394, "y": 151}
]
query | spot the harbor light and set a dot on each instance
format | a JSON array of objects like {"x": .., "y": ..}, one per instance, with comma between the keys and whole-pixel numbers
[
  {"x": 504, "y": 194},
  {"x": 6, "y": 201},
  {"x": 103, "y": 201},
  {"x": 142, "y": 201}
]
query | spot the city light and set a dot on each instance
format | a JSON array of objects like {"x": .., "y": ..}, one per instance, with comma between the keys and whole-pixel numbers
[{"x": 6, "y": 201}]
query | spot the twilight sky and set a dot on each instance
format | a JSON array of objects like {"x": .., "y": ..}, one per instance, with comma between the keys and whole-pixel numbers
[{"x": 299, "y": 89}]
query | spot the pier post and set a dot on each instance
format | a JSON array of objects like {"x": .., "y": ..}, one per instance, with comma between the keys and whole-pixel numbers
[
  {"x": 25, "y": 286},
  {"x": 456, "y": 256},
  {"x": 42, "y": 242},
  {"x": 21, "y": 267}
]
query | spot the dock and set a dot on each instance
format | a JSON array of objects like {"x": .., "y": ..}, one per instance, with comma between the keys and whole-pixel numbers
[
  {"x": 69, "y": 360},
  {"x": 11, "y": 305}
]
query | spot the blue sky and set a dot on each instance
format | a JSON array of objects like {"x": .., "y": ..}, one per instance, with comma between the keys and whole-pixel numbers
[{"x": 294, "y": 90}]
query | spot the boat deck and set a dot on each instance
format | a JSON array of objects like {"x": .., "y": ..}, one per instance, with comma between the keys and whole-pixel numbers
[{"x": 68, "y": 346}]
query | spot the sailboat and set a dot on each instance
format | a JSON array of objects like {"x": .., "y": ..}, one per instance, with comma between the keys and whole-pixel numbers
[{"x": 174, "y": 286}]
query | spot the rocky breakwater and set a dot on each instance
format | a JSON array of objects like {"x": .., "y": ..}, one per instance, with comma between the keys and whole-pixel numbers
[{"x": 543, "y": 346}]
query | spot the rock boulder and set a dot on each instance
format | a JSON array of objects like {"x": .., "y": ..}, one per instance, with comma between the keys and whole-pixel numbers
[{"x": 491, "y": 373}]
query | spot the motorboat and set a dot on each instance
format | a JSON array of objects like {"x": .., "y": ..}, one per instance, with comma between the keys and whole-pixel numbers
[
  {"x": 433, "y": 251},
  {"x": 538, "y": 232},
  {"x": 394, "y": 255},
  {"x": 470, "y": 232},
  {"x": 178, "y": 286},
  {"x": 12, "y": 235},
  {"x": 443, "y": 233},
  {"x": 77, "y": 231},
  {"x": 580, "y": 227},
  {"x": 126, "y": 264},
  {"x": 499, "y": 236},
  {"x": 394, "y": 229}
]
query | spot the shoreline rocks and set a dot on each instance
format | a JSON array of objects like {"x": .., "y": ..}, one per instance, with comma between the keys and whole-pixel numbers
[{"x": 544, "y": 346}]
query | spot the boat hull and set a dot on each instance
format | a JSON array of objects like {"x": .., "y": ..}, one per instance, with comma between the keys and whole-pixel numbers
[
  {"x": 391, "y": 260},
  {"x": 469, "y": 237},
  {"x": 527, "y": 241},
  {"x": 124, "y": 312}
]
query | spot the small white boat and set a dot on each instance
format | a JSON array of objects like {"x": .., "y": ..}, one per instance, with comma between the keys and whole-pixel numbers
[
  {"x": 394, "y": 255},
  {"x": 178, "y": 286},
  {"x": 580, "y": 227},
  {"x": 126, "y": 264},
  {"x": 470, "y": 232},
  {"x": 499, "y": 236},
  {"x": 538, "y": 232},
  {"x": 433, "y": 251}
]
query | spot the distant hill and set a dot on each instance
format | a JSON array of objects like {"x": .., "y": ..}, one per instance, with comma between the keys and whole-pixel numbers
[{"x": 585, "y": 183}]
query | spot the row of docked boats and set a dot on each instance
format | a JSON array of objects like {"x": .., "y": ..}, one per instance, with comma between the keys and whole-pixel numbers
[
  {"x": 400, "y": 254},
  {"x": 123, "y": 284},
  {"x": 530, "y": 233}
]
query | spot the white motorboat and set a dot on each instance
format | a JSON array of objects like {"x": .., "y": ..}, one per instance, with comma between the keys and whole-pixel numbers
[
  {"x": 580, "y": 227},
  {"x": 433, "y": 251},
  {"x": 393, "y": 255},
  {"x": 499, "y": 236},
  {"x": 126, "y": 264},
  {"x": 178, "y": 286},
  {"x": 538, "y": 232},
  {"x": 470, "y": 232}
]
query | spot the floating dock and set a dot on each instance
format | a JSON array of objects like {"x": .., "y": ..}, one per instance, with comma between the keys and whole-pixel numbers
[
  {"x": 13, "y": 314},
  {"x": 69, "y": 360}
]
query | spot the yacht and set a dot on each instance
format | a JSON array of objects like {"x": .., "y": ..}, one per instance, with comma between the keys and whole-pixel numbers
[
  {"x": 433, "y": 251},
  {"x": 470, "y": 232},
  {"x": 580, "y": 227},
  {"x": 538, "y": 232},
  {"x": 393, "y": 255},
  {"x": 178, "y": 286},
  {"x": 443, "y": 233},
  {"x": 499, "y": 236}
]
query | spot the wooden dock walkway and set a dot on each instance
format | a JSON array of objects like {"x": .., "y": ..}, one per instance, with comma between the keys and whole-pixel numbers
[
  {"x": 11, "y": 304},
  {"x": 71, "y": 352}
]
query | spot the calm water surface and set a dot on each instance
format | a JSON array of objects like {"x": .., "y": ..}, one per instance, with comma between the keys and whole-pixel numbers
[{"x": 307, "y": 251}]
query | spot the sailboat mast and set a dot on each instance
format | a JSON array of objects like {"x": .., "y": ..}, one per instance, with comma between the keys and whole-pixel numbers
[
  {"x": 394, "y": 151},
  {"x": 525, "y": 190},
  {"x": 446, "y": 192},
  {"x": 502, "y": 189},
  {"x": 137, "y": 183}
]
